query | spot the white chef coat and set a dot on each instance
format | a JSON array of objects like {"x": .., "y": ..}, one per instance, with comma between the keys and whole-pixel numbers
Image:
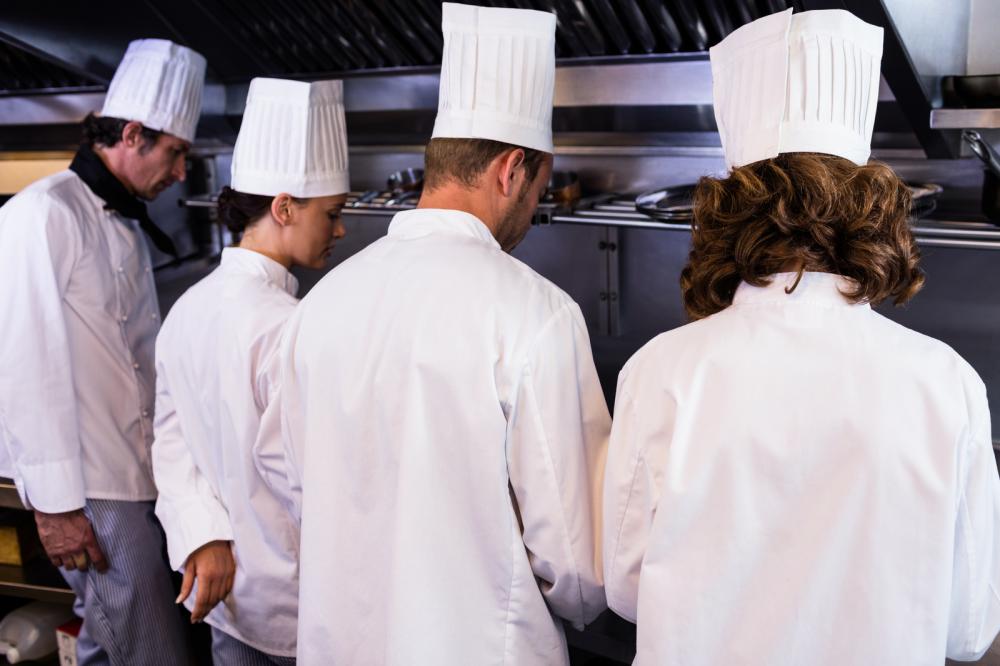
[
  {"x": 799, "y": 480},
  {"x": 445, "y": 419},
  {"x": 76, "y": 348},
  {"x": 212, "y": 386}
]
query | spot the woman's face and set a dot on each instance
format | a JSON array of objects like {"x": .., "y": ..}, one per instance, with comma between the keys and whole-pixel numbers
[{"x": 313, "y": 229}]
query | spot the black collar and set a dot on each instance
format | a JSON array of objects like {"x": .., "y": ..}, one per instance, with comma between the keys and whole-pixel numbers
[{"x": 92, "y": 171}]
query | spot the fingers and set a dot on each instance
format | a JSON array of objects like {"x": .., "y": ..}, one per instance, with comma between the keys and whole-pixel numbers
[
  {"x": 97, "y": 558},
  {"x": 56, "y": 561},
  {"x": 81, "y": 560},
  {"x": 187, "y": 583},
  {"x": 69, "y": 562},
  {"x": 228, "y": 587},
  {"x": 203, "y": 600},
  {"x": 211, "y": 590}
]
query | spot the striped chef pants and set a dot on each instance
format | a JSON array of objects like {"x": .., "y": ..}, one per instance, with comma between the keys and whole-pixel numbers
[
  {"x": 229, "y": 651},
  {"x": 129, "y": 614}
]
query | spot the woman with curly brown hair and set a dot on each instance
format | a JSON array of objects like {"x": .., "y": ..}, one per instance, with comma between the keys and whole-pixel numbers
[{"x": 793, "y": 478}]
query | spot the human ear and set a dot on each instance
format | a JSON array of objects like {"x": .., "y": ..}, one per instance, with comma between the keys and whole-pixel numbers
[
  {"x": 132, "y": 134},
  {"x": 281, "y": 209},
  {"x": 509, "y": 170}
]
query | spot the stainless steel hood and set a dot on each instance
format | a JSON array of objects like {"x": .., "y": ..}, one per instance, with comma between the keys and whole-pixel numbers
[{"x": 625, "y": 66}]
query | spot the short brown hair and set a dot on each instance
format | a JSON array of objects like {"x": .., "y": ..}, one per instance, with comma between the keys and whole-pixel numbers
[
  {"x": 801, "y": 209},
  {"x": 464, "y": 160}
]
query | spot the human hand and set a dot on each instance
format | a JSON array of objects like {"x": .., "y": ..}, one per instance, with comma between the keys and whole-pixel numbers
[
  {"x": 69, "y": 541},
  {"x": 214, "y": 568}
]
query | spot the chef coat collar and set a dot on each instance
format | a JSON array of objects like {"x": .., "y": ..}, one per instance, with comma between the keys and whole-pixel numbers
[
  {"x": 419, "y": 222},
  {"x": 255, "y": 263},
  {"x": 814, "y": 289},
  {"x": 105, "y": 185}
]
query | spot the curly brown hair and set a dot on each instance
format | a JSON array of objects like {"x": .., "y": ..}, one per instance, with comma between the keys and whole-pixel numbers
[{"x": 801, "y": 211}]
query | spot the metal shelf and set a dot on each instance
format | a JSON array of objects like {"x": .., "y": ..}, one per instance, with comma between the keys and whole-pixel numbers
[
  {"x": 619, "y": 211},
  {"x": 965, "y": 118},
  {"x": 37, "y": 579},
  {"x": 9, "y": 499}
]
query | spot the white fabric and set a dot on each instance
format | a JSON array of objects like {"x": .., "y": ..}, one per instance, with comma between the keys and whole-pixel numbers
[
  {"x": 450, "y": 445},
  {"x": 497, "y": 75},
  {"x": 76, "y": 346},
  {"x": 159, "y": 84},
  {"x": 797, "y": 83},
  {"x": 212, "y": 384},
  {"x": 293, "y": 140},
  {"x": 798, "y": 480}
]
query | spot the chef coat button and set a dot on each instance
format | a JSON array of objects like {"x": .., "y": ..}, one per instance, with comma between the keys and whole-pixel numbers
[
  {"x": 153, "y": 316},
  {"x": 124, "y": 317},
  {"x": 121, "y": 269},
  {"x": 145, "y": 412},
  {"x": 135, "y": 366},
  {"x": 147, "y": 269}
]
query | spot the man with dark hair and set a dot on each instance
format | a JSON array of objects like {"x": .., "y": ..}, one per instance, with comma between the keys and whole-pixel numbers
[
  {"x": 448, "y": 436},
  {"x": 76, "y": 346},
  {"x": 794, "y": 478}
]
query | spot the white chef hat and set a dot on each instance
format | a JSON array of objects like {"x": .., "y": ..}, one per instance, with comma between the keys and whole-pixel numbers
[
  {"x": 293, "y": 140},
  {"x": 789, "y": 83},
  {"x": 159, "y": 84},
  {"x": 497, "y": 75}
]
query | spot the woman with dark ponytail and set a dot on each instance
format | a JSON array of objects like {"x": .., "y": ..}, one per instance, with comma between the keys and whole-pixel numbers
[{"x": 228, "y": 528}]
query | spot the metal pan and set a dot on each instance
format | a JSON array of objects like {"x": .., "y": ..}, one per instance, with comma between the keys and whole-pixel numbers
[
  {"x": 406, "y": 180},
  {"x": 667, "y": 203},
  {"x": 563, "y": 188},
  {"x": 924, "y": 197},
  {"x": 674, "y": 203},
  {"x": 971, "y": 91}
]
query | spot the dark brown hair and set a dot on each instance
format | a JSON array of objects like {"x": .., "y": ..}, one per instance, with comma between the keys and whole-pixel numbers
[
  {"x": 107, "y": 131},
  {"x": 820, "y": 212},
  {"x": 464, "y": 160},
  {"x": 239, "y": 210}
]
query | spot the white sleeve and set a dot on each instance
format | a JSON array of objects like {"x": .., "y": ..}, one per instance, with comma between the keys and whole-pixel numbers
[
  {"x": 39, "y": 244},
  {"x": 274, "y": 460},
  {"x": 630, "y": 498},
  {"x": 191, "y": 513},
  {"x": 556, "y": 447},
  {"x": 975, "y": 604}
]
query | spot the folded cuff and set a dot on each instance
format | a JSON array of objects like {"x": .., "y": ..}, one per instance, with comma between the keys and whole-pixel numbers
[
  {"x": 189, "y": 526},
  {"x": 51, "y": 487}
]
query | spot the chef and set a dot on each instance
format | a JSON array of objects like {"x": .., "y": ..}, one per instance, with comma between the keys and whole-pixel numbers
[
  {"x": 226, "y": 530},
  {"x": 76, "y": 347},
  {"x": 442, "y": 411},
  {"x": 794, "y": 478}
]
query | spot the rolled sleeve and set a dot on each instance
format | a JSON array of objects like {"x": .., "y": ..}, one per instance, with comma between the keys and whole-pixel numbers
[{"x": 191, "y": 513}]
